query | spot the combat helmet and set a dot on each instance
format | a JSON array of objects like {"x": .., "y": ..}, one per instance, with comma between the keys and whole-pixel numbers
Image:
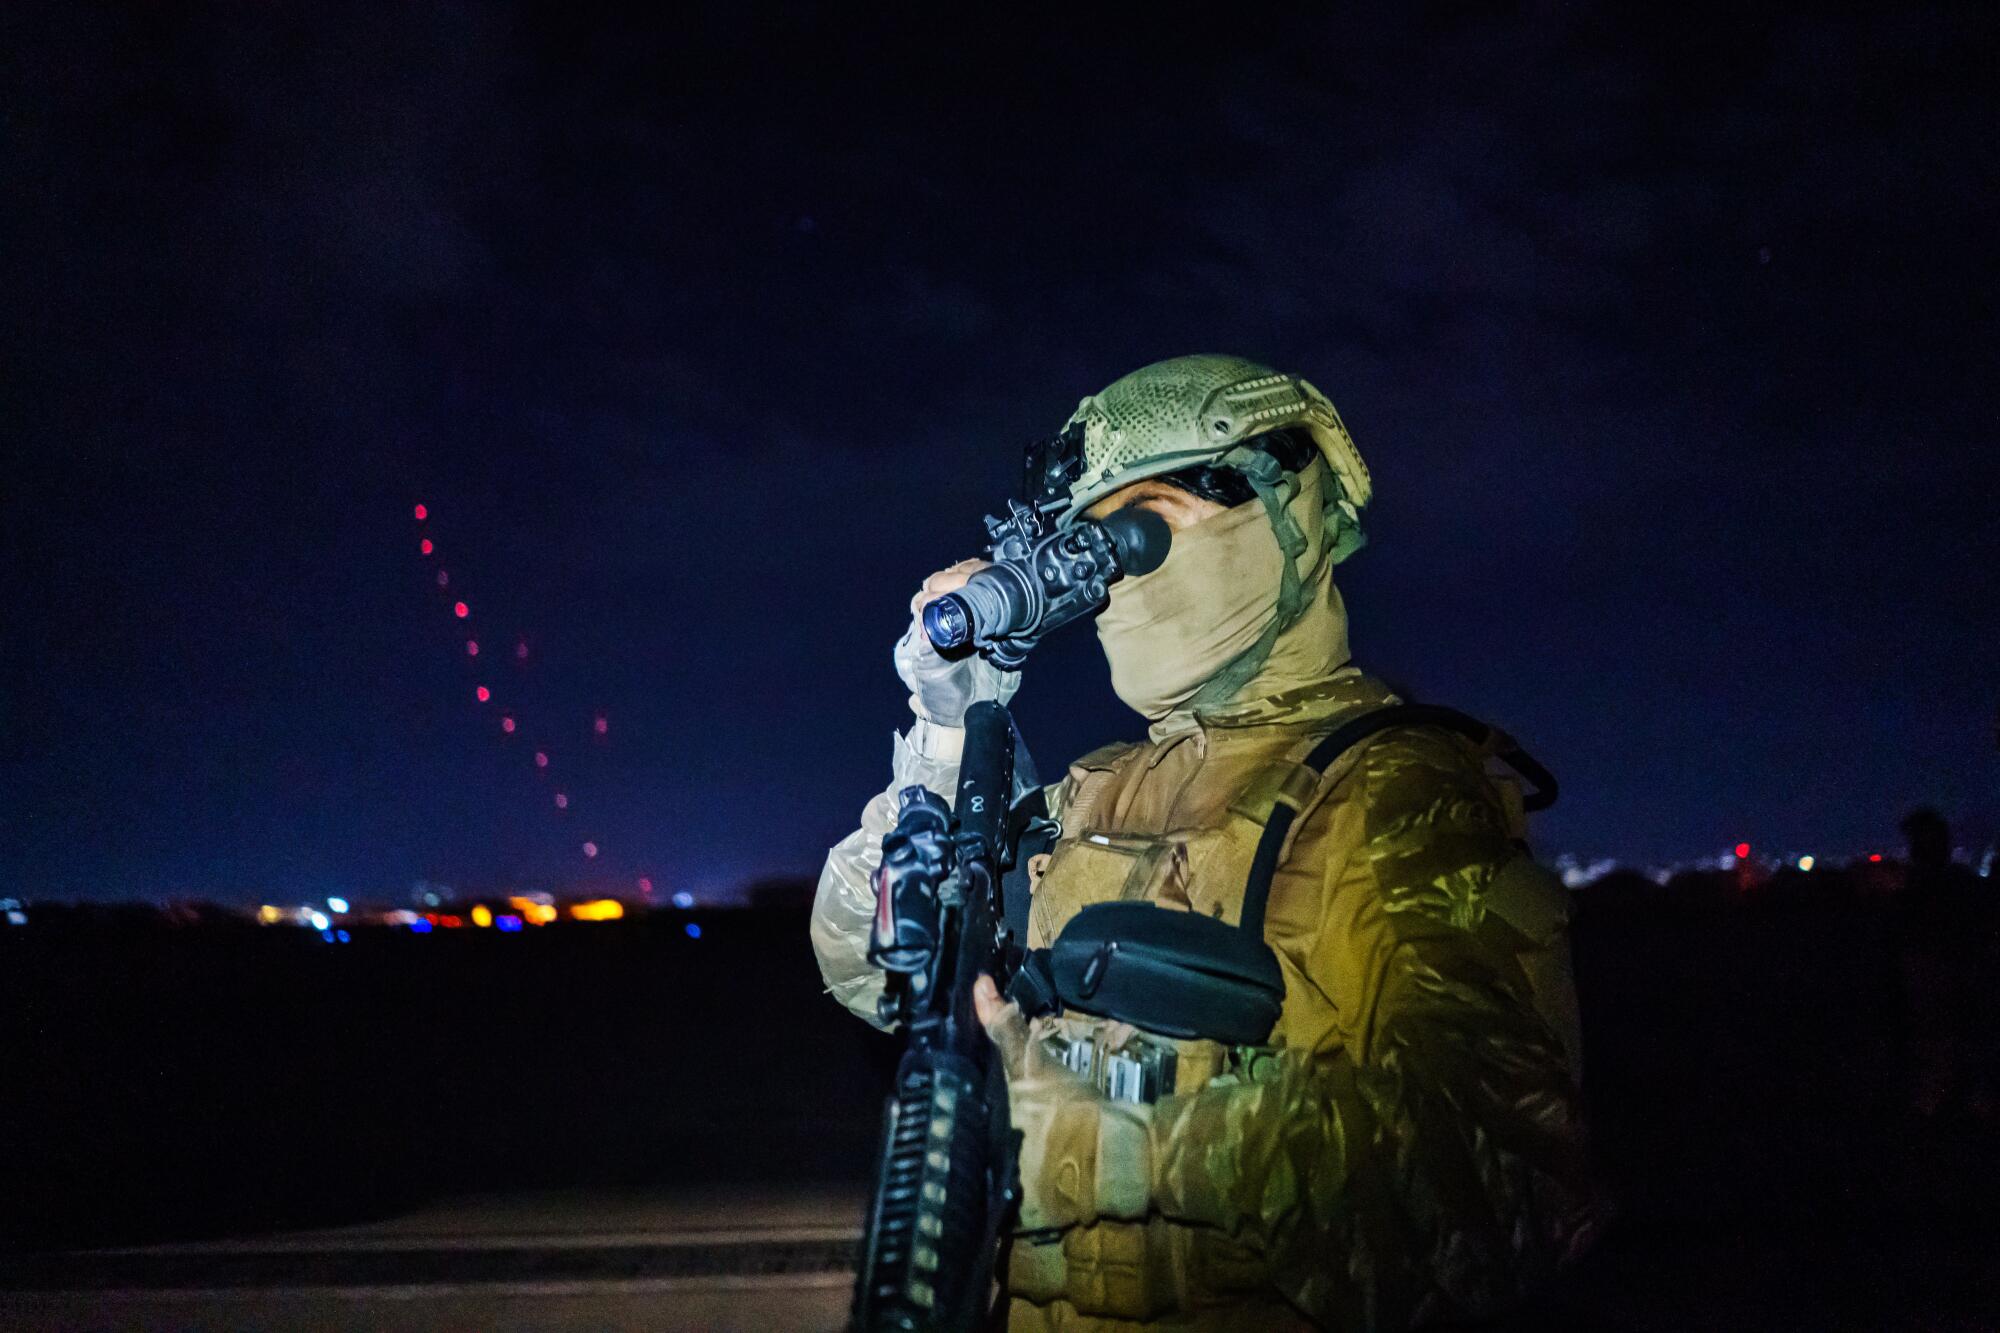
[{"x": 1191, "y": 410}]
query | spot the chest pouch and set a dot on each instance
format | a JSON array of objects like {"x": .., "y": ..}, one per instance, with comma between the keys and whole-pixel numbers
[{"x": 1186, "y": 975}]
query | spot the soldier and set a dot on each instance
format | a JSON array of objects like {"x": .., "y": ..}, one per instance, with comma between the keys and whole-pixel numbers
[{"x": 1408, "y": 1147}]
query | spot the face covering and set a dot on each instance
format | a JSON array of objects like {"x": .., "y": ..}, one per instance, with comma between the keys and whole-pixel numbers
[{"x": 1170, "y": 632}]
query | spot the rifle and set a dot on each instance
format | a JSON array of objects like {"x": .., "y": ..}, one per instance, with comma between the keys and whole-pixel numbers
[{"x": 946, "y": 1180}]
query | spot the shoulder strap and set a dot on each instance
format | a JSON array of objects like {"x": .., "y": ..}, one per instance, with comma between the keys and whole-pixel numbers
[
  {"x": 1292, "y": 796},
  {"x": 1029, "y": 833}
]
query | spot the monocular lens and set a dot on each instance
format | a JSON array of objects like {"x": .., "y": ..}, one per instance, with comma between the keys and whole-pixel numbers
[{"x": 948, "y": 623}]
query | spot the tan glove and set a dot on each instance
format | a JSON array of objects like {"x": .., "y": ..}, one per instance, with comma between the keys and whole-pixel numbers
[
  {"x": 940, "y": 689},
  {"x": 1083, "y": 1156}
]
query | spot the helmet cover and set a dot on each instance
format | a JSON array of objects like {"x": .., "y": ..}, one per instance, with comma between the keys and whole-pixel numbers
[{"x": 1181, "y": 412}]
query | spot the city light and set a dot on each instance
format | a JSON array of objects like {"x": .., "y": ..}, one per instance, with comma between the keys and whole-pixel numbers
[
  {"x": 482, "y": 694},
  {"x": 482, "y": 915},
  {"x": 535, "y": 913},
  {"x": 507, "y": 725},
  {"x": 421, "y": 926},
  {"x": 1874, "y": 856},
  {"x": 422, "y": 513},
  {"x": 472, "y": 647},
  {"x": 693, "y": 931},
  {"x": 461, "y": 610},
  {"x": 684, "y": 899},
  {"x": 337, "y": 904},
  {"x": 425, "y": 546},
  {"x": 602, "y": 726},
  {"x": 1805, "y": 863},
  {"x": 562, "y": 801},
  {"x": 541, "y": 759},
  {"x": 1742, "y": 851},
  {"x": 590, "y": 849},
  {"x": 320, "y": 920},
  {"x": 601, "y": 909},
  {"x": 507, "y": 921},
  {"x": 270, "y": 915}
]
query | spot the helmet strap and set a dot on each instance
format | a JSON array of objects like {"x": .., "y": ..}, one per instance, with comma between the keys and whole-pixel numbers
[{"x": 1276, "y": 489}]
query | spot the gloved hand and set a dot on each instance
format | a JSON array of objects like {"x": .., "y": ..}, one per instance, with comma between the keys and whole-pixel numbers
[
  {"x": 942, "y": 690},
  {"x": 1082, "y": 1155}
]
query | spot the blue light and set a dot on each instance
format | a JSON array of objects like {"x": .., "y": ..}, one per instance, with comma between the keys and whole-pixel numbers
[
  {"x": 508, "y": 922},
  {"x": 421, "y": 926},
  {"x": 693, "y": 931},
  {"x": 326, "y": 935},
  {"x": 342, "y": 936},
  {"x": 684, "y": 899}
]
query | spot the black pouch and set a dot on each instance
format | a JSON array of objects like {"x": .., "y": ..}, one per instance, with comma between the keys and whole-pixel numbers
[{"x": 1177, "y": 974}]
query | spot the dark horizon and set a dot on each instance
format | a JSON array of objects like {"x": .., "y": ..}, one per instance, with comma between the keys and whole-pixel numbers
[{"x": 703, "y": 337}]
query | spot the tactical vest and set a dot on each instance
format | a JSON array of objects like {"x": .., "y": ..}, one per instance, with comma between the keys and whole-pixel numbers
[{"x": 1116, "y": 845}]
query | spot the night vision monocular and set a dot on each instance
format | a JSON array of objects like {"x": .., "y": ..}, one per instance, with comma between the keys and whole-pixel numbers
[{"x": 1042, "y": 577}]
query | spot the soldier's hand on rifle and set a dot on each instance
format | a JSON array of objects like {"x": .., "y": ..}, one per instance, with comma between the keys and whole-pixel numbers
[
  {"x": 942, "y": 690},
  {"x": 1067, "y": 1174},
  {"x": 1020, "y": 1055}
]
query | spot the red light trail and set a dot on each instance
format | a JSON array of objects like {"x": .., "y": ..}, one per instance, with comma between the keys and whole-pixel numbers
[{"x": 510, "y": 722}]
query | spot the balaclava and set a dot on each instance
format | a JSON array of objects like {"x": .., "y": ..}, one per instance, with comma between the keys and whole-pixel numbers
[{"x": 1219, "y": 621}]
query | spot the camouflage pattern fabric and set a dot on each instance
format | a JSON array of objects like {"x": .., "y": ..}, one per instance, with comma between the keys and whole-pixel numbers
[{"x": 1411, "y": 1150}]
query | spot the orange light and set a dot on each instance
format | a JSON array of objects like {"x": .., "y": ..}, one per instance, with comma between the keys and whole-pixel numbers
[
  {"x": 482, "y": 915},
  {"x": 533, "y": 912},
  {"x": 422, "y": 513},
  {"x": 601, "y": 909},
  {"x": 461, "y": 610},
  {"x": 1742, "y": 850},
  {"x": 425, "y": 546}
]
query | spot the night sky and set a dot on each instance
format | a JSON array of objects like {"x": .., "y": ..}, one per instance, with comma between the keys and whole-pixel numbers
[{"x": 1670, "y": 341}]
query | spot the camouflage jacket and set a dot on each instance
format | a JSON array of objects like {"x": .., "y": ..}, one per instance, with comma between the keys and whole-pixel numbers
[{"x": 1409, "y": 1147}]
